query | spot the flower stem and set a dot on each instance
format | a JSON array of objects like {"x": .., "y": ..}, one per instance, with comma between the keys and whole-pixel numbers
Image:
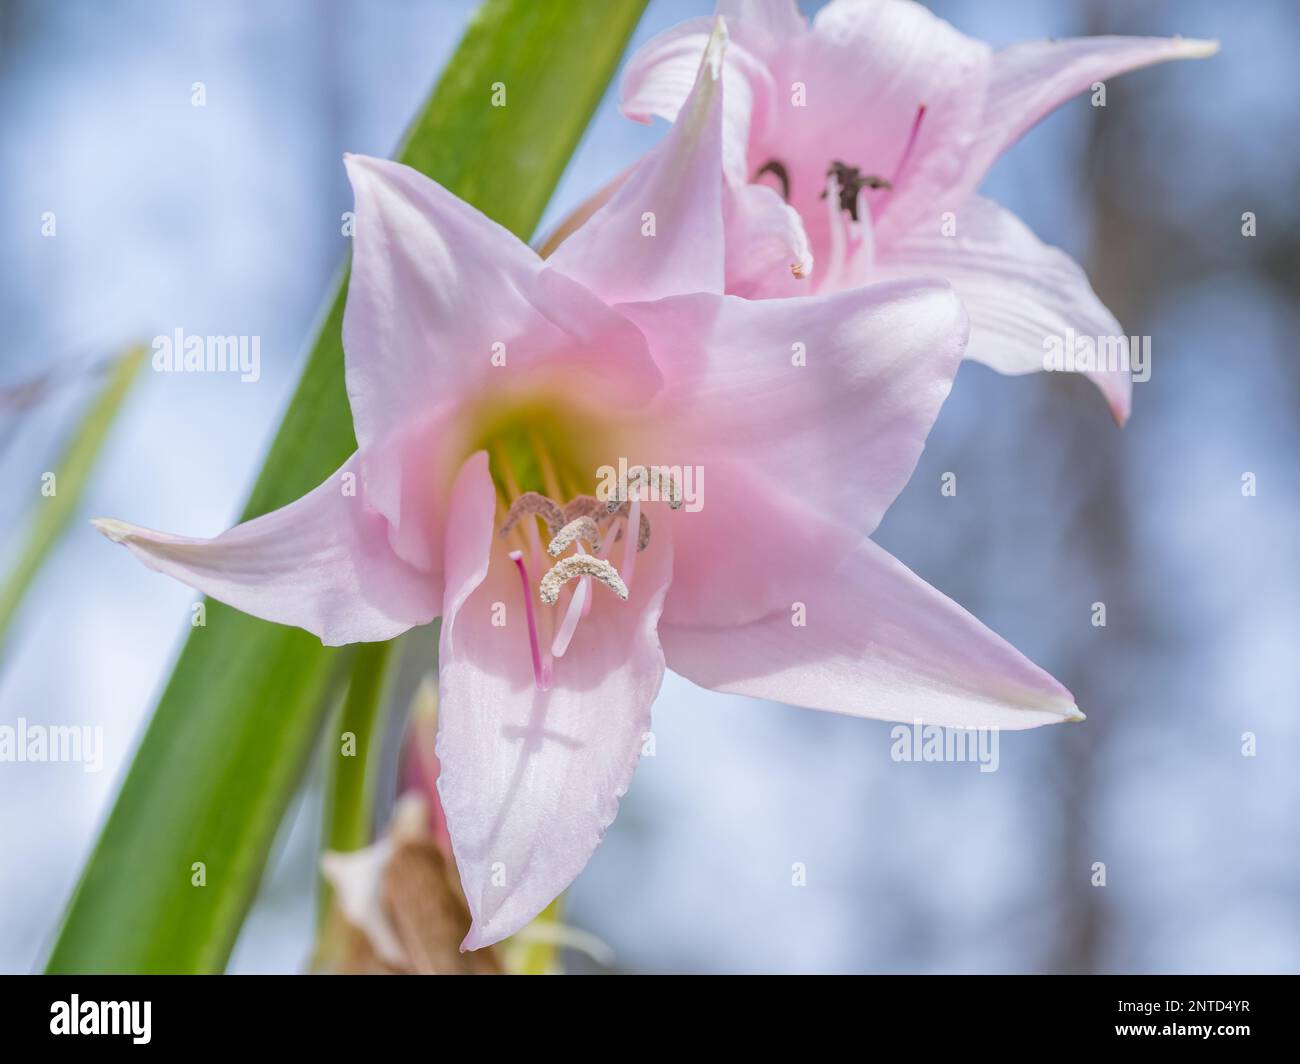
[{"x": 353, "y": 753}]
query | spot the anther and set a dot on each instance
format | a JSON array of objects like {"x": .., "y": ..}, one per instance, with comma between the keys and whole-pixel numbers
[
  {"x": 580, "y": 565},
  {"x": 583, "y": 506},
  {"x": 851, "y": 181},
  {"x": 533, "y": 504},
  {"x": 777, "y": 170},
  {"x": 578, "y": 528},
  {"x": 657, "y": 479},
  {"x": 643, "y": 534}
]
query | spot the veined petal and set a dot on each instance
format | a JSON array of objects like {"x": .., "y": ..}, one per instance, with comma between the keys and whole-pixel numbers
[
  {"x": 1029, "y": 80},
  {"x": 892, "y": 89},
  {"x": 467, "y": 545},
  {"x": 807, "y": 417},
  {"x": 878, "y": 642},
  {"x": 662, "y": 231},
  {"x": 441, "y": 299},
  {"x": 322, "y": 563},
  {"x": 767, "y": 249},
  {"x": 1021, "y": 294},
  {"x": 531, "y": 779},
  {"x": 754, "y": 542},
  {"x": 580, "y": 214},
  {"x": 779, "y": 18},
  {"x": 408, "y": 476},
  {"x": 660, "y": 75}
]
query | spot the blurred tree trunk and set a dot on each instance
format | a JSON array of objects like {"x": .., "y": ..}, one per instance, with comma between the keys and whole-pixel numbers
[{"x": 1118, "y": 266}]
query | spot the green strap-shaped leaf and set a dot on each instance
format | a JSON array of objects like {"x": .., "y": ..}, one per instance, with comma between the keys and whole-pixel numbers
[
  {"x": 231, "y": 736},
  {"x": 53, "y": 512}
]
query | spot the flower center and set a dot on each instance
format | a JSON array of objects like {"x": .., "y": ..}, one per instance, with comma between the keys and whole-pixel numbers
[
  {"x": 851, "y": 181},
  {"x": 589, "y": 528},
  {"x": 847, "y": 180}
]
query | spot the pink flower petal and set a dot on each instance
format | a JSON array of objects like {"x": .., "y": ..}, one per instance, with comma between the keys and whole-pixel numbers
[
  {"x": 1019, "y": 292},
  {"x": 767, "y": 249},
  {"x": 868, "y": 69},
  {"x": 878, "y": 642},
  {"x": 798, "y": 459},
  {"x": 531, "y": 780},
  {"x": 661, "y": 74},
  {"x": 408, "y": 476},
  {"x": 777, "y": 18},
  {"x": 444, "y": 303},
  {"x": 322, "y": 563},
  {"x": 754, "y": 542},
  {"x": 1029, "y": 80},
  {"x": 662, "y": 232}
]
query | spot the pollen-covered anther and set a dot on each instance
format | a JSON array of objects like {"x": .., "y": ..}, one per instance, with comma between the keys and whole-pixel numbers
[
  {"x": 533, "y": 504},
  {"x": 578, "y": 528},
  {"x": 643, "y": 534},
  {"x": 580, "y": 565},
  {"x": 656, "y": 479},
  {"x": 584, "y": 506}
]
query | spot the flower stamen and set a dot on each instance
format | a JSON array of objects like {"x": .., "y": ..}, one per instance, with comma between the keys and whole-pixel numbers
[
  {"x": 580, "y": 565},
  {"x": 583, "y": 506},
  {"x": 658, "y": 479},
  {"x": 533, "y": 504},
  {"x": 848, "y": 182},
  {"x": 577, "y": 609},
  {"x": 579, "y": 528},
  {"x": 541, "y": 675},
  {"x": 911, "y": 143},
  {"x": 643, "y": 533},
  {"x": 630, "y": 547},
  {"x": 777, "y": 169}
]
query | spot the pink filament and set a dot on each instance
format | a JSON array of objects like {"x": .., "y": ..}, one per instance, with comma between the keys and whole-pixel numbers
[
  {"x": 605, "y": 544},
  {"x": 911, "y": 143},
  {"x": 540, "y": 677},
  {"x": 631, "y": 534}
]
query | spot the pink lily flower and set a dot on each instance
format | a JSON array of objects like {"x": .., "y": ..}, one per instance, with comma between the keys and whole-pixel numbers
[
  {"x": 854, "y": 146},
  {"x": 489, "y": 387}
]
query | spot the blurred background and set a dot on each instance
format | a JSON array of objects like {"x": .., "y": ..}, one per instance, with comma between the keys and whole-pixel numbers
[{"x": 224, "y": 219}]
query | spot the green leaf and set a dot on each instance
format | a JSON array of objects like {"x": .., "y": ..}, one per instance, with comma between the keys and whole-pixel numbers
[
  {"x": 53, "y": 512},
  {"x": 229, "y": 740}
]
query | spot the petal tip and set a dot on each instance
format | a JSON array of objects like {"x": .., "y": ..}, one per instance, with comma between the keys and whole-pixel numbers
[
  {"x": 117, "y": 531},
  {"x": 1120, "y": 407},
  {"x": 715, "y": 50},
  {"x": 477, "y": 939},
  {"x": 1198, "y": 48},
  {"x": 354, "y": 162}
]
